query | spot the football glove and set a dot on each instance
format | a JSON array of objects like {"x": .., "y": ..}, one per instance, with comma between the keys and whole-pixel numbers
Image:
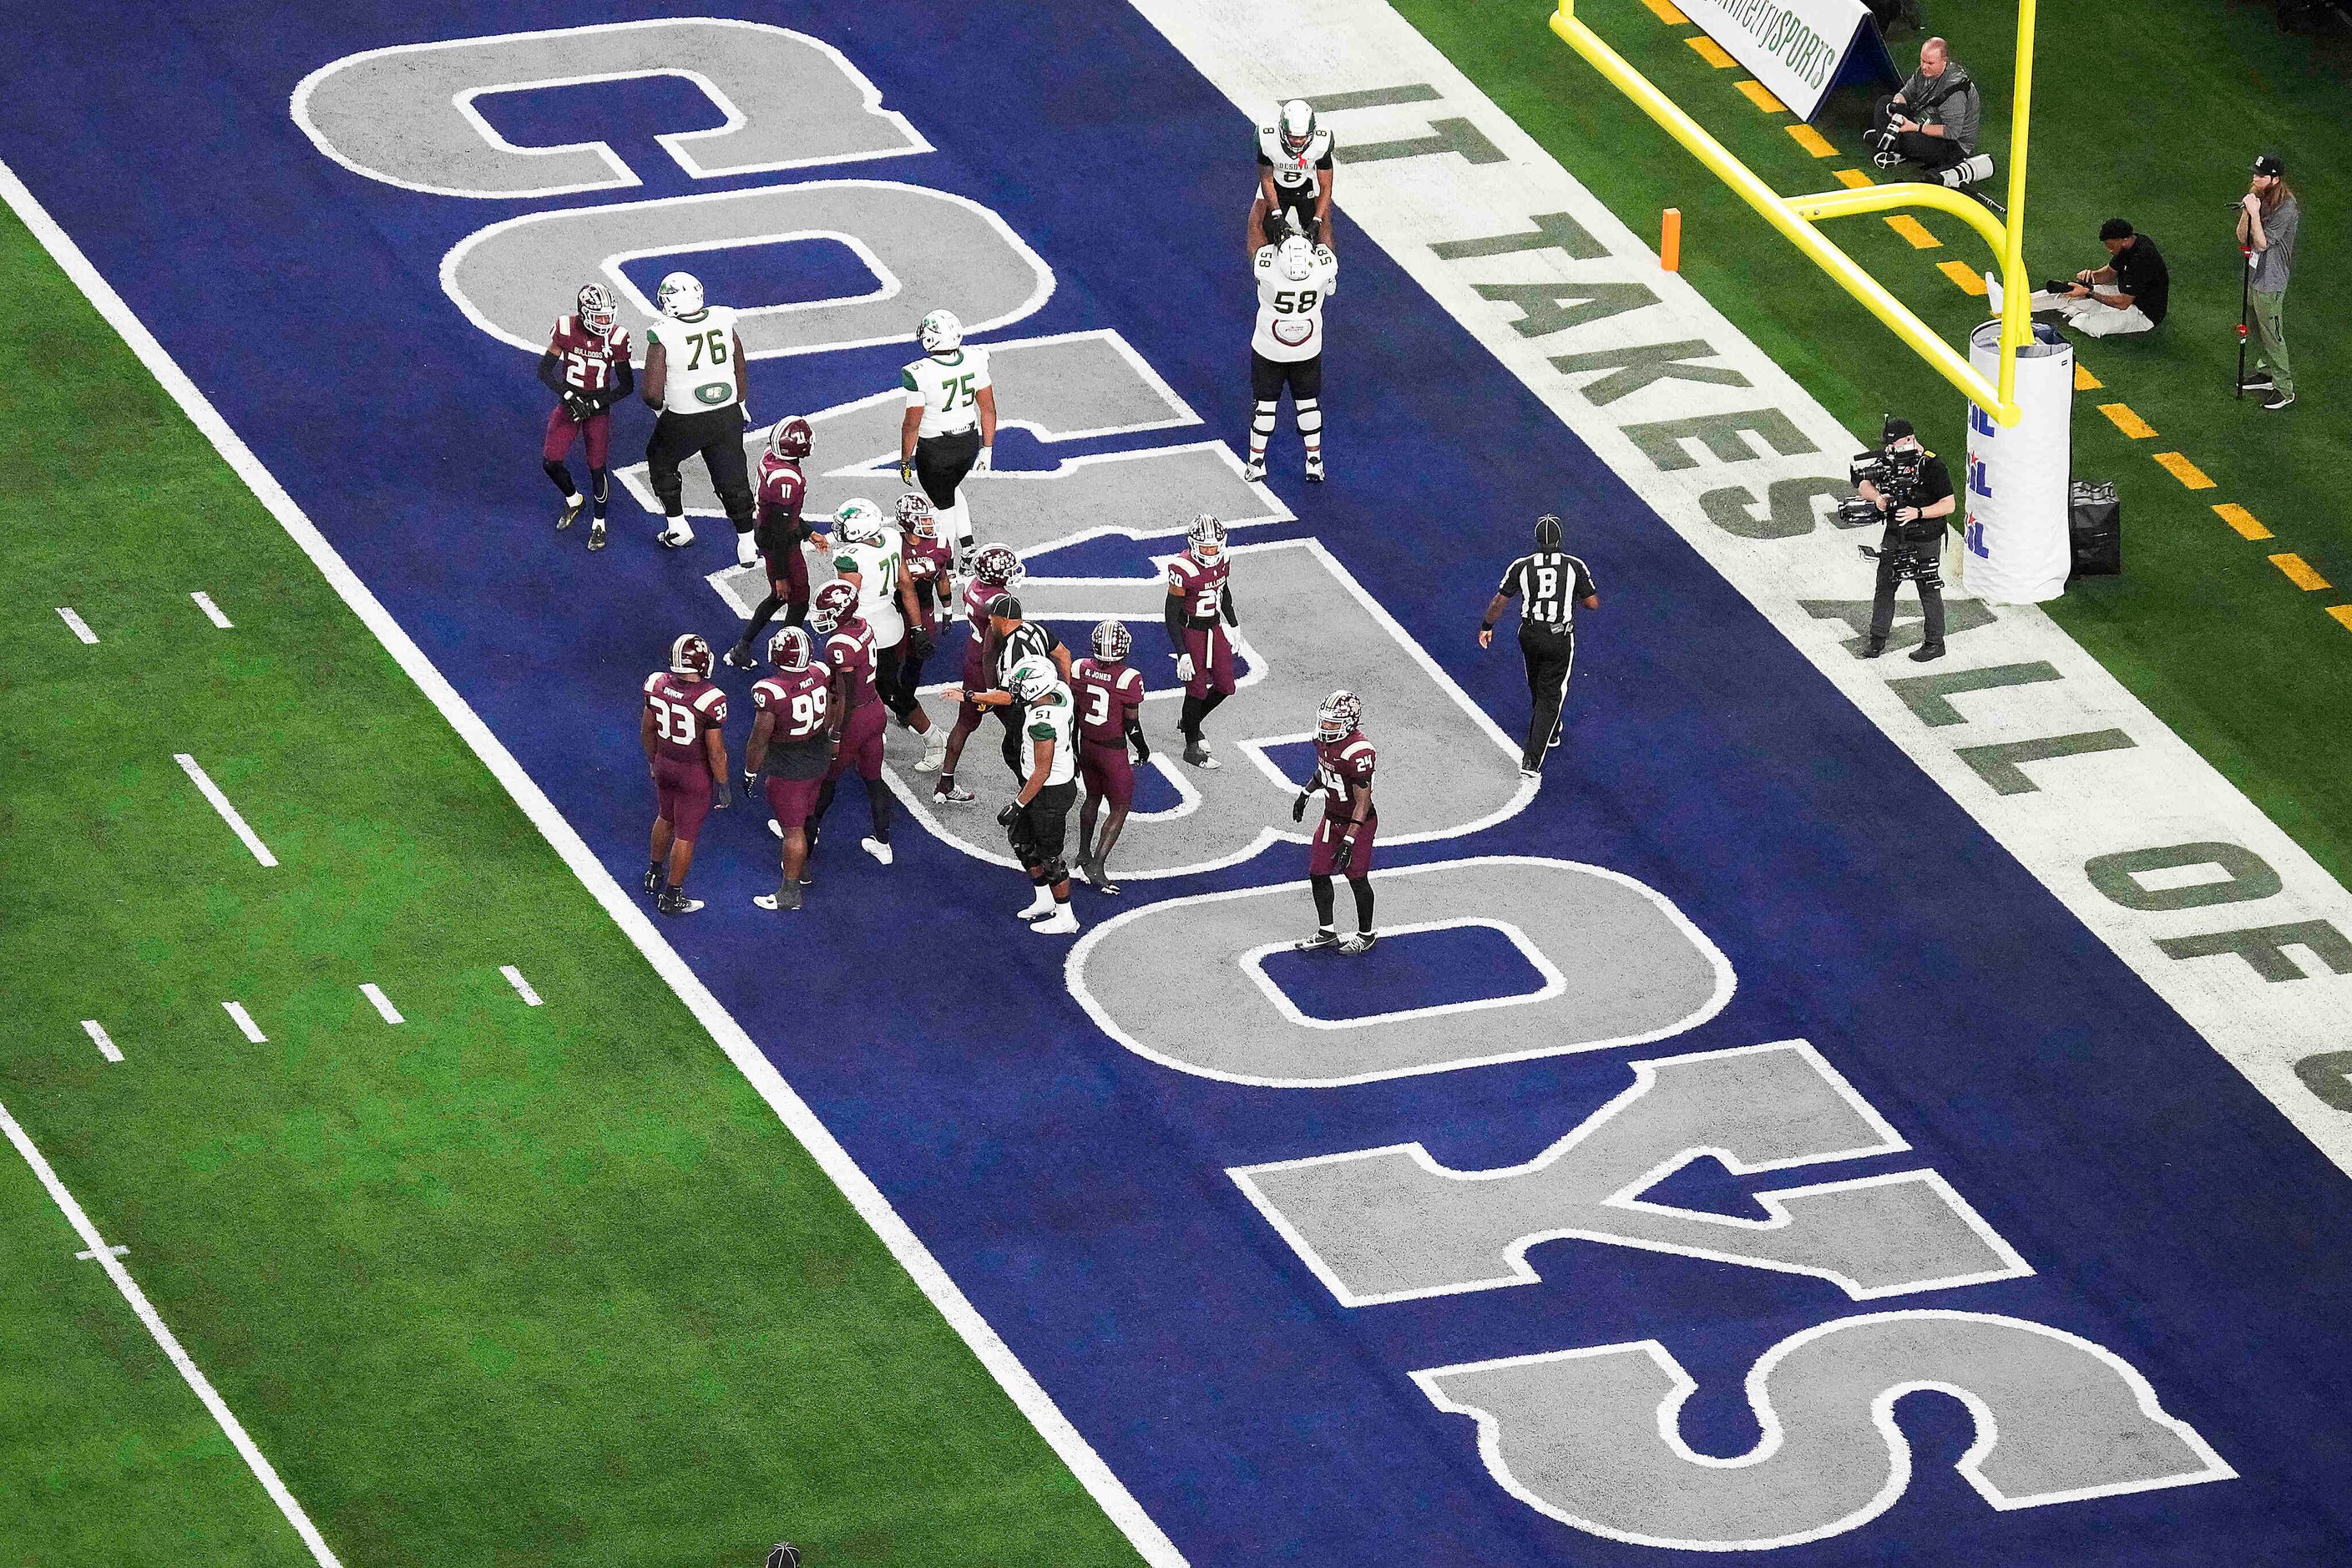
[
  {"x": 750, "y": 784},
  {"x": 907, "y": 470},
  {"x": 985, "y": 461},
  {"x": 1143, "y": 753},
  {"x": 918, "y": 643},
  {"x": 578, "y": 407},
  {"x": 1004, "y": 818},
  {"x": 1341, "y": 853},
  {"x": 721, "y": 797},
  {"x": 1183, "y": 666},
  {"x": 1298, "y": 808}
]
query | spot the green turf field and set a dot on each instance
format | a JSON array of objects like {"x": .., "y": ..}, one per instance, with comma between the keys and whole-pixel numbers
[
  {"x": 2153, "y": 113},
  {"x": 499, "y": 1284}
]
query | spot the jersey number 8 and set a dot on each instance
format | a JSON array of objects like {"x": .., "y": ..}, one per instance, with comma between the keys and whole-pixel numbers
[{"x": 1295, "y": 301}]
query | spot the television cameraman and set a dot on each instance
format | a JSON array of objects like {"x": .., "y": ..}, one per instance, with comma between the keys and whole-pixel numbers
[
  {"x": 1932, "y": 121},
  {"x": 1909, "y": 487}
]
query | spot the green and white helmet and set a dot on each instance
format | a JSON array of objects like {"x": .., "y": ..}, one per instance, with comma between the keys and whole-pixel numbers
[
  {"x": 859, "y": 522},
  {"x": 941, "y": 332},
  {"x": 681, "y": 295},
  {"x": 1031, "y": 678}
]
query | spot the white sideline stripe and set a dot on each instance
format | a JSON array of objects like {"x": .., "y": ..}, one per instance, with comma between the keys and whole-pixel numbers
[
  {"x": 80, "y": 628},
  {"x": 88, "y": 1256},
  {"x": 220, "y": 804},
  {"x": 383, "y": 1006},
  {"x": 244, "y": 1021},
  {"x": 110, "y": 1259},
  {"x": 98, "y": 1036},
  {"x": 1107, "y": 1490},
  {"x": 522, "y": 986},
  {"x": 212, "y": 611}
]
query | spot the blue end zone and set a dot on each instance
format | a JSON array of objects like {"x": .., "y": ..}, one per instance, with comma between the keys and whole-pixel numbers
[{"x": 1077, "y": 1192}]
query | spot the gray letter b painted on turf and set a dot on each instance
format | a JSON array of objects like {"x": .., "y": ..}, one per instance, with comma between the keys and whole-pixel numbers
[{"x": 1387, "y": 1225}]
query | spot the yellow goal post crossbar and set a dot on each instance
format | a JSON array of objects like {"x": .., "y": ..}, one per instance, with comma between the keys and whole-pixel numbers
[{"x": 1795, "y": 216}]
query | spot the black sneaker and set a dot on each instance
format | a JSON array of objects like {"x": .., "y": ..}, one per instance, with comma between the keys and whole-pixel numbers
[
  {"x": 786, "y": 897},
  {"x": 1360, "y": 942},
  {"x": 1321, "y": 942},
  {"x": 2278, "y": 400},
  {"x": 1926, "y": 651},
  {"x": 1196, "y": 755},
  {"x": 739, "y": 657},
  {"x": 653, "y": 880},
  {"x": 1874, "y": 647},
  {"x": 597, "y": 534},
  {"x": 674, "y": 902},
  {"x": 570, "y": 512}
]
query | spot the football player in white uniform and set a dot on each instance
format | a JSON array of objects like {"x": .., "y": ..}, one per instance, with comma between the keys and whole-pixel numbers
[
  {"x": 1294, "y": 279},
  {"x": 950, "y": 425},
  {"x": 868, "y": 555},
  {"x": 695, "y": 376},
  {"x": 1294, "y": 178}
]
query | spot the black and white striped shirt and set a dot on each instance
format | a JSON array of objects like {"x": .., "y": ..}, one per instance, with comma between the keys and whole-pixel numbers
[
  {"x": 1552, "y": 583},
  {"x": 1028, "y": 638}
]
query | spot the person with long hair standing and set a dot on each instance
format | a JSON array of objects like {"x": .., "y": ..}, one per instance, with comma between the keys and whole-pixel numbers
[{"x": 2268, "y": 218}]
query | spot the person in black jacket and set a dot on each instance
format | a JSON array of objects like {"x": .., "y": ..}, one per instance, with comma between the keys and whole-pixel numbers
[
  {"x": 1915, "y": 495},
  {"x": 1932, "y": 121}
]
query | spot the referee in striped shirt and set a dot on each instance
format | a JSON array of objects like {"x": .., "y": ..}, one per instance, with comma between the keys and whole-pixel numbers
[{"x": 1549, "y": 583}]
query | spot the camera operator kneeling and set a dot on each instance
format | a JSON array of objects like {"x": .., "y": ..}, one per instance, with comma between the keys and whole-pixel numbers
[{"x": 1909, "y": 486}]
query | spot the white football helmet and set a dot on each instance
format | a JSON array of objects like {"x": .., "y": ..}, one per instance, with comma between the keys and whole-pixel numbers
[
  {"x": 1297, "y": 126},
  {"x": 595, "y": 307},
  {"x": 859, "y": 522},
  {"x": 1205, "y": 540},
  {"x": 689, "y": 658},
  {"x": 1031, "y": 678},
  {"x": 941, "y": 332},
  {"x": 681, "y": 295},
  {"x": 1112, "y": 642},
  {"x": 790, "y": 650},
  {"x": 1338, "y": 718},
  {"x": 1296, "y": 258}
]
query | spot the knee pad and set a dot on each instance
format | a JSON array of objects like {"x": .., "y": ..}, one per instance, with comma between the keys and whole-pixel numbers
[
  {"x": 1057, "y": 870},
  {"x": 668, "y": 486},
  {"x": 739, "y": 509},
  {"x": 1310, "y": 414},
  {"x": 1262, "y": 419}
]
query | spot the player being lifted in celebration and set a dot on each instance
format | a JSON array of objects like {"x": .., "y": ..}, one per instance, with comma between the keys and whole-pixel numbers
[
  {"x": 1342, "y": 846},
  {"x": 695, "y": 374},
  {"x": 586, "y": 365},
  {"x": 868, "y": 555},
  {"x": 858, "y": 716},
  {"x": 1109, "y": 693},
  {"x": 682, "y": 727},
  {"x": 791, "y": 747},
  {"x": 995, "y": 570},
  {"x": 1294, "y": 178},
  {"x": 1294, "y": 279},
  {"x": 778, "y": 532},
  {"x": 950, "y": 425},
  {"x": 931, "y": 567},
  {"x": 1199, "y": 609}
]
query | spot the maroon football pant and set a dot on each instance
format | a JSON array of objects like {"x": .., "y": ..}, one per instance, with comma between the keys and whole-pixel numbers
[
  {"x": 562, "y": 428},
  {"x": 681, "y": 795},
  {"x": 1327, "y": 834}
]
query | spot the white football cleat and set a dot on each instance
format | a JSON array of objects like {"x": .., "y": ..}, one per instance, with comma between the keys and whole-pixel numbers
[
  {"x": 959, "y": 796},
  {"x": 1253, "y": 470},
  {"x": 1315, "y": 468},
  {"x": 746, "y": 552},
  {"x": 935, "y": 750},
  {"x": 676, "y": 536},
  {"x": 1060, "y": 922},
  {"x": 875, "y": 847}
]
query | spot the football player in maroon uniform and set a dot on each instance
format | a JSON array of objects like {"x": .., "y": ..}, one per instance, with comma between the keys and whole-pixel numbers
[
  {"x": 1200, "y": 607},
  {"x": 779, "y": 532},
  {"x": 586, "y": 365},
  {"x": 1110, "y": 699},
  {"x": 930, "y": 567},
  {"x": 1342, "y": 845},
  {"x": 682, "y": 728},
  {"x": 792, "y": 744},
  {"x": 859, "y": 717},
  {"x": 995, "y": 570}
]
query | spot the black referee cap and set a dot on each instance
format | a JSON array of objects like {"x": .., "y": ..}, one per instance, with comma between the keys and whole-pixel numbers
[
  {"x": 1004, "y": 605},
  {"x": 1548, "y": 531}
]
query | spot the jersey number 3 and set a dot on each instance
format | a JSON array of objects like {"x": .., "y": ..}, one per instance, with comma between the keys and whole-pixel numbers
[{"x": 673, "y": 721}]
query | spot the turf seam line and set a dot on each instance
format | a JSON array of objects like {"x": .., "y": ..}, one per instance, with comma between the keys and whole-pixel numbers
[
  {"x": 384, "y": 1009},
  {"x": 89, "y": 1254},
  {"x": 79, "y": 628},
  {"x": 98, "y": 1037},
  {"x": 522, "y": 986},
  {"x": 212, "y": 611},
  {"x": 220, "y": 803},
  {"x": 904, "y": 1247},
  {"x": 244, "y": 1020},
  {"x": 108, "y": 1258}
]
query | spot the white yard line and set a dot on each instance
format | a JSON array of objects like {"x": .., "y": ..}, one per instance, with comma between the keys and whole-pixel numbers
[
  {"x": 229, "y": 813},
  {"x": 110, "y": 1258},
  {"x": 212, "y": 611},
  {"x": 522, "y": 986},
  {"x": 98, "y": 1036},
  {"x": 79, "y": 628},
  {"x": 384, "y": 1009},
  {"x": 89, "y": 1254},
  {"x": 236, "y": 1010},
  {"x": 1027, "y": 1395}
]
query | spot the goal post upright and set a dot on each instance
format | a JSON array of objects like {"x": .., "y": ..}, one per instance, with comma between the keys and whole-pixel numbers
[{"x": 1796, "y": 216}]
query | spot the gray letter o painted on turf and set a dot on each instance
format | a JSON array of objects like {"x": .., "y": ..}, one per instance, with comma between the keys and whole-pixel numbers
[
  {"x": 926, "y": 248},
  {"x": 2246, "y": 876},
  {"x": 1624, "y": 967},
  {"x": 406, "y": 116}
]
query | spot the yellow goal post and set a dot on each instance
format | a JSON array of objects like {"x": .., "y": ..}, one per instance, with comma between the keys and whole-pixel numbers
[{"x": 1796, "y": 216}]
